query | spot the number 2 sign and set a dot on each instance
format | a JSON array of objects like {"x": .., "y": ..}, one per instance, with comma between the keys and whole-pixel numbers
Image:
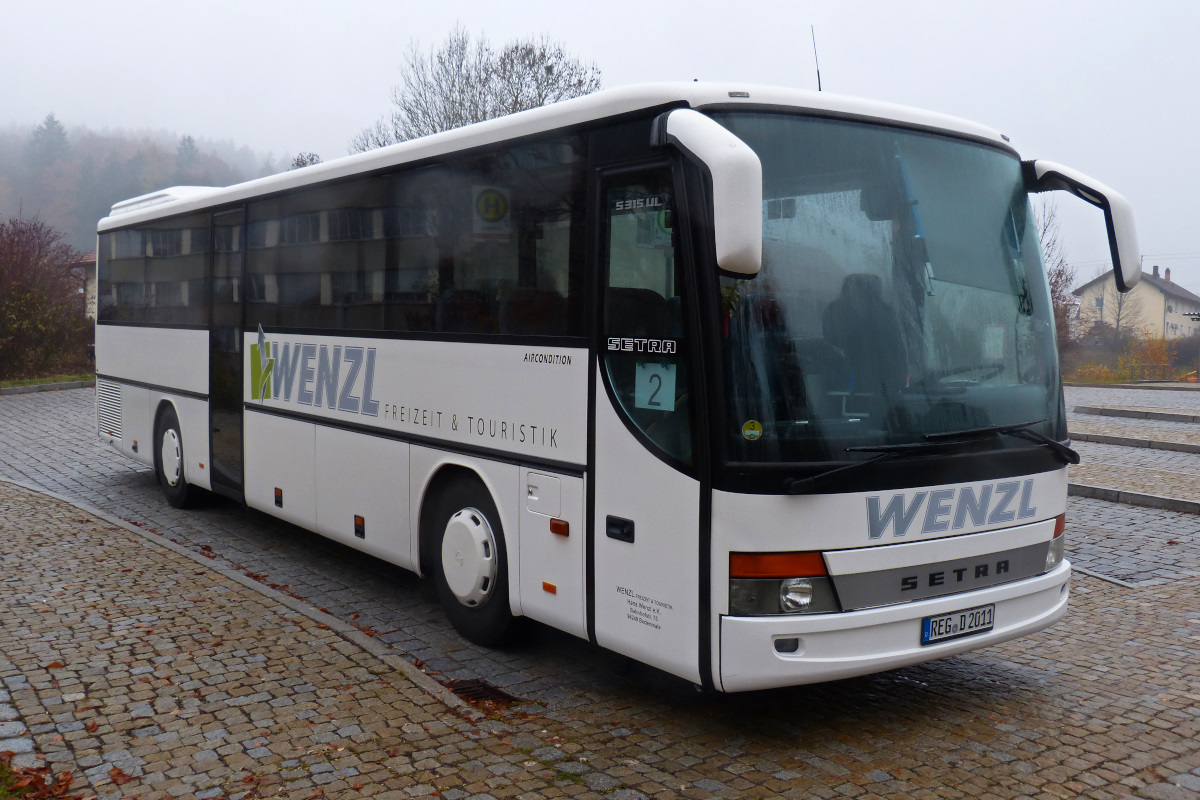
[{"x": 654, "y": 386}]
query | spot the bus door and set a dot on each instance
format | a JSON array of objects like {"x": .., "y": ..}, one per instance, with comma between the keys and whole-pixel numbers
[
  {"x": 225, "y": 353},
  {"x": 645, "y": 558}
]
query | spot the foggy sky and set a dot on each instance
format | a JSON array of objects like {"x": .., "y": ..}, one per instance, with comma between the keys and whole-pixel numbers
[{"x": 1105, "y": 87}]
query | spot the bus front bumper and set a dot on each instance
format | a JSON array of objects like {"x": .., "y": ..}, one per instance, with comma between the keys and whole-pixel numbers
[{"x": 834, "y": 646}]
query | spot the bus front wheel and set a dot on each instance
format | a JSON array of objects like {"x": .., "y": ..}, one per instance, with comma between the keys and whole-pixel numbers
[
  {"x": 471, "y": 564},
  {"x": 168, "y": 460}
]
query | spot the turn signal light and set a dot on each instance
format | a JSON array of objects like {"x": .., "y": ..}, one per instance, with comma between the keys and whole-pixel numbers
[
  {"x": 1055, "y": 553},
  {"x": 776, "y": 565},
  {"x": 560, "y": 527}
]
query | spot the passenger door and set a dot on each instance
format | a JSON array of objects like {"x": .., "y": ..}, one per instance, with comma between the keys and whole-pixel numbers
[
  {"x": 645, "y": 555},
  {"x": 225, "y": 394}
]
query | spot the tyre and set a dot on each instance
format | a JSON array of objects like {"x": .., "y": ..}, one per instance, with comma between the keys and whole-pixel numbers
[
  {"x": 168, "y": 460},
  {"x": 470, "y": 564}
]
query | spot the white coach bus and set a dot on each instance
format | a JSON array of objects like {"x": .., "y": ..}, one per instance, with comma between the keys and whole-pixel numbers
[{"x": 755, "y": 385}]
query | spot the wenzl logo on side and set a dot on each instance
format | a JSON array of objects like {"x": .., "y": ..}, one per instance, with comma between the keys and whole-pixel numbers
[
  {"x": 315, "y": 373},
  {"x": 946, "y": 509}
]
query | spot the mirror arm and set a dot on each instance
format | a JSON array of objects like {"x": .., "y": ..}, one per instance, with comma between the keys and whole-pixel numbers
[
  {"x": 736, "y": 175},
  {"x": 1046, "y": 176}
]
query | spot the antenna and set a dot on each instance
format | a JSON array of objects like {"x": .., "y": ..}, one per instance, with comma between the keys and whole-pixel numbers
[{"x": 816, "y": 61}]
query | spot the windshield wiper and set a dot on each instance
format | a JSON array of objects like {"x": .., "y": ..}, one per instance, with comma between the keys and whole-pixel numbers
[
  {"x": 809, "y": 485},
  {"x": 1020, "y": 430},
  {"x": 939, "y": 442}
]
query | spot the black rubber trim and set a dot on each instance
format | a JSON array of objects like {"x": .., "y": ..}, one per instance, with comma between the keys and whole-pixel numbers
[
  {"x": 524, "y": 340},
  {"x": 549, "y": 465}
]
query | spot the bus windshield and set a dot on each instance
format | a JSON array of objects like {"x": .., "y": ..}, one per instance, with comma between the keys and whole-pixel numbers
[{"x": 902, "y": 294}]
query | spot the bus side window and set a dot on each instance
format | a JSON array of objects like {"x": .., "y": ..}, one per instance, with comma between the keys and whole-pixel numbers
[{"x": 645, "y": 349}]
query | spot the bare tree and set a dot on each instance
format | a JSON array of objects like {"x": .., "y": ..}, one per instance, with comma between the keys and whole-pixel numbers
[
  {"x": 1059, "y": 272},
  {"x": 467, "y": 81},
  {"x": 1119, "y": 314},
  {"x": 305, "y": 160}
]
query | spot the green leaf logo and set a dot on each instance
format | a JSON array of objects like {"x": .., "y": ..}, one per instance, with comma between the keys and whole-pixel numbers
[{"x": 262, "y": 364}]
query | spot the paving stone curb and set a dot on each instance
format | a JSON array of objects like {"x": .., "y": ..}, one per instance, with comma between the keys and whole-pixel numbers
[
  {"x": 47, "y": 387},
  {"x": 1126, "y": 441},
  {"x": 345, "y": 630},
  {"x": 1136, "y": 413},
  {"x": 1133, "y": 498},
  {"x": 1170, "y": 386}
]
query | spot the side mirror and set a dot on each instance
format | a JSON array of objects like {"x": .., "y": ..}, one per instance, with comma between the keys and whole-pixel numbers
[
  {"x": 736, "y": 176},
  {"x": 1046, "y": 176}
]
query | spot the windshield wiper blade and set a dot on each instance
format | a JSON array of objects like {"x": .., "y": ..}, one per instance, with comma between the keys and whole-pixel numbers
[
  {"x": 950, "y": 439},
  {"x": 1021, "y": 431},
  {"x": 809, "y": 485},
  {"x": 1068, "y": 455},
  {"x": 971, "y": 433}
]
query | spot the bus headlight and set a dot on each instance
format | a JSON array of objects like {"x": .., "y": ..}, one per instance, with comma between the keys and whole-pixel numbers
[
  {"x": 795, "y": 595},
  {"x": 762, "y": 584},
  {"x": 759, "y": 597}
]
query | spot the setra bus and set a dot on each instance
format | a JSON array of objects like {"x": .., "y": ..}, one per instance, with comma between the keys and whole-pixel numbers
[{"x": 755, "y": 385}]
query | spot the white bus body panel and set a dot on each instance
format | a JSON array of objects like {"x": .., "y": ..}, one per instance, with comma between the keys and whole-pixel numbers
[
  {"x": 768, "y": 523},
  {"x": 516, "y": 400},
  {"x": 365, "y": 476},
  {"x": 280, "y": 454},
  {"x": 646, "y": 590},
  {"x": 845, "y": 644},
  {"x": 167, "y": 357},
  {"x": 834, "y": 646},
  {"x": 153, "y": 358},
  {"x": 553, "y": 579}
]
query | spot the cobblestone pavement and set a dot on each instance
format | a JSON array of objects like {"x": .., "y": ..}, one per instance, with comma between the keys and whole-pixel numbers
[
  {"x": 1148, "y": 470},
  {"x": 147, "y": 674},
  {"x": 1103, "y": 705}
]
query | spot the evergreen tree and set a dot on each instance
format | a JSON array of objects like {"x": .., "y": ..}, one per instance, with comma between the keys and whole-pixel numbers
[{"x": 48, "y": 145}]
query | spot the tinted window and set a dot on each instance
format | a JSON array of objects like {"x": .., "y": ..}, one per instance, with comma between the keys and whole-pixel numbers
[
  {"x": 156, "y": 273},
  {"x": 491, "y": 244}
]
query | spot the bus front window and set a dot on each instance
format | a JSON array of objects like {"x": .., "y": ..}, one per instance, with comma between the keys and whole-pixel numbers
[{"x": 902, "y": 294}]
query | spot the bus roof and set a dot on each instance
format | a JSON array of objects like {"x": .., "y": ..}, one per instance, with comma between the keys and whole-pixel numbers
[{"x": 593, "y": 107}]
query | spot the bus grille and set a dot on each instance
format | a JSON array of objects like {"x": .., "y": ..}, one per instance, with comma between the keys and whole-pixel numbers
[{"x": 108, "y": 408}]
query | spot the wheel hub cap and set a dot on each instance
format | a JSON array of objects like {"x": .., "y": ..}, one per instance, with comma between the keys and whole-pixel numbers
[
  {"x": 469, "y": 557},
  {"x": 172, "y": 461}
]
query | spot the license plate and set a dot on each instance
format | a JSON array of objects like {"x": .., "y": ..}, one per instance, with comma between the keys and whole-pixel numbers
[{"x": 957, "y": 624}]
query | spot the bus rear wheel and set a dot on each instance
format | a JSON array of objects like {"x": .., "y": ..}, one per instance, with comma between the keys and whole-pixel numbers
[
  {"x": 471, "y": 564},
  {"x": 168, "y": 460}
]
